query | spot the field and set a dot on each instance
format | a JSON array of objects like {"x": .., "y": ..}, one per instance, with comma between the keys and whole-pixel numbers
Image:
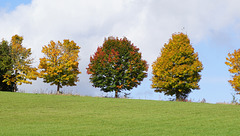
[{"x": 38, "y": 114}]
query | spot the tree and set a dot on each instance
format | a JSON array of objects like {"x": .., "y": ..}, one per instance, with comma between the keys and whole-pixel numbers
[
  {"x": 5, "y": 65},
  {"x": 59, "y": 66},
  {"x": 21, "y": 69},
  {"x": 176, "y": 71},
  {"x": 233, "y": 61},
  {"x": 116, "y": 66}
]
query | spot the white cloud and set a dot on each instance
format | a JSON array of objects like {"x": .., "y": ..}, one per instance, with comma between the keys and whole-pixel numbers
[{"x": 147, "y": 23}]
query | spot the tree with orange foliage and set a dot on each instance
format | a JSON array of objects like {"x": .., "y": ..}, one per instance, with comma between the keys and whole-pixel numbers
[
  {"x": 233, "y": 61},
  {"x": 59, "y": 66},
  {"x": 21, "y": 69},
  {"x": 116, "y": 66},
  {"x": 176, "y": 71}
]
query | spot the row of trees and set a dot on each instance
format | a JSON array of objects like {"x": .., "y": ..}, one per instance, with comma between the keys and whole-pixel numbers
[
  {"x": 59, "y": 66},
  {"x": 116, "y": 65},
  {"x": 15, "y": 64}
]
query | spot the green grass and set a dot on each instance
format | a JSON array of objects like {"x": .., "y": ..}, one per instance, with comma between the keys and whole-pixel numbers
[{"x": 37, "y": 114}]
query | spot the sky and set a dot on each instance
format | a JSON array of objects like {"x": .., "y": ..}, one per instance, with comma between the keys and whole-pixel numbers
[{"x": 212, "y": 26}]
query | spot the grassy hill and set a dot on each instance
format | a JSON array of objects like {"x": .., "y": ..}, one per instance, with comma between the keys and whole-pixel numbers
[{"x": 37, "y": 114}]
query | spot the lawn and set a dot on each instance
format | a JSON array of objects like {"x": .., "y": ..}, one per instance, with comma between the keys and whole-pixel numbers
[{"x": 38, "y": 114}]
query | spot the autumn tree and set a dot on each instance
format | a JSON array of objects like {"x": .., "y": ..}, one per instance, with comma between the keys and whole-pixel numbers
[
  {"x": 176, "y": 71},
  {"x": 233, "y": 61},
  {"x": 21, "y": 70},
  {"x": 5, "y": 65},
  {"x": 59, "y": 66},
  {"x": 117, "y": 65}
]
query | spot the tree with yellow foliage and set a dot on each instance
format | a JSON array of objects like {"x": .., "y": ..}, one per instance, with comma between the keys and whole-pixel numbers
[
  {"x": 59, "y": 66},
  {"x": 21, "y": 69},
  {"x": 233, "y": 61},
  {"x": 176, "y": 71}
]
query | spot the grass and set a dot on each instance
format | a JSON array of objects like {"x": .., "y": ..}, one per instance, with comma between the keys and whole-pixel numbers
[{"x": 37, "y": 114}]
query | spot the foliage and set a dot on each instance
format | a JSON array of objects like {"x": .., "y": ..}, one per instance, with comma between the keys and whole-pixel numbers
[
  {"x": 21, "y": 69},
  {"x": 5, "y": 65},
  {"x": 36, "y": 114},
  {"x": 176, "y": 71},
  {"x": 233, "y": 61},
  {"x": 59, "y": 66},
  {"x": 116, "y": 66}
]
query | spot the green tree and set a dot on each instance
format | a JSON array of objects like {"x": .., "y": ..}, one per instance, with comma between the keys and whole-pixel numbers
[
  {"x": 176, "y": 71},
  {"x": 21, "y": 70},
  {"x": 5, "y": 65},
  {"x": 116, "y": 66},
  {"x": 59, "y": 66},
  {"x": 233, "y": 61}
]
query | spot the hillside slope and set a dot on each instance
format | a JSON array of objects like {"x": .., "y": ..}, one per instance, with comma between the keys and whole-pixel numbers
[{"x": 37, "y": 114}]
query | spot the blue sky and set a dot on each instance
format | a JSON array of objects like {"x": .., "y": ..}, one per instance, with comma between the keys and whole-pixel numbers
[
  {"x": 213, "y": 28},
  {"x": 10, "y": 5}
]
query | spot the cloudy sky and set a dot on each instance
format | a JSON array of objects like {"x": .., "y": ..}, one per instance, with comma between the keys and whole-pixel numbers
[{"x": 212, "y": 26}]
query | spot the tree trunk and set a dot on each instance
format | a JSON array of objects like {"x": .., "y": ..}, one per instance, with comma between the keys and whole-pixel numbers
[
  {"x": 58, "y": 87},
  {"x": 14, "y": 87},
  {"x": 116, "y": 93},
  {"x": 177, "y": 96},
  {"x": 15, "y": 84}
]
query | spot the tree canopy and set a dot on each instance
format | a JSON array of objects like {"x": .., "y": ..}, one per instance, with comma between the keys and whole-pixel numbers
[
  {"x": 117, "y": 65},
  {"x": 233, "y": 61},
  {"x": 5, "y": 65},
  {"x": 176, "y": 71},
  {"x": 20, "y": 70},
  {"x": 59, "y": 66}
]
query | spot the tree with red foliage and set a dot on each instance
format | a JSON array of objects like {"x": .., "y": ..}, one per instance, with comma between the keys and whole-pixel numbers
[{"x": 116, "y": 66}]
